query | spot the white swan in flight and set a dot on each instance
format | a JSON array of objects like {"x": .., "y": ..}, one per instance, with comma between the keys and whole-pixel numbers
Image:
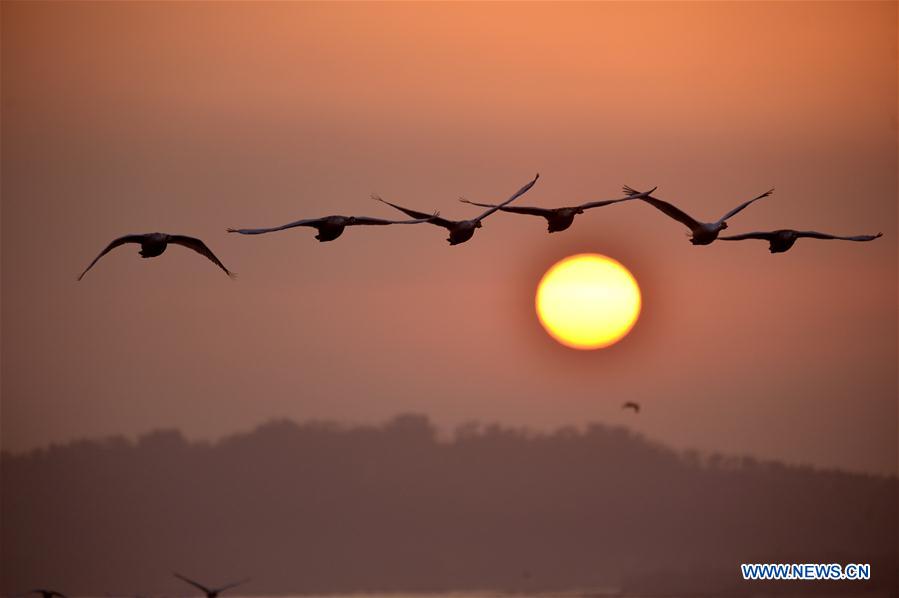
[
  {"x": 781, "y": 240},
  {"x": 702, "y": 233},
  {"x": 460, "y": 230},
  {"x": 153, "y": 244}
]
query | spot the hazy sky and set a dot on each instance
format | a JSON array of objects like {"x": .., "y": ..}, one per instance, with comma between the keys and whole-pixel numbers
[{"x": 190, "y": 118}]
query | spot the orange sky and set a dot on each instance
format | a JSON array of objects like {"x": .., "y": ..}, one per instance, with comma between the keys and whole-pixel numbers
[{"x": 192, "y": 118}]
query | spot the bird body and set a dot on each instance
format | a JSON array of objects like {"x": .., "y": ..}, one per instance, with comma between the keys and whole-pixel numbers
[
  {"x": 701, "y": 233},
  {"x": 704, "y": 233},
  {"x": 154, "y": 244},
  {"x": 559, "y": 219},
  {"x": 460, "y": 230},
  {"x": 780, "y": 241},
  {"x": 331, "y": 227},
  {"x": 463, "y": 231},
  {"x": 631, "y": 405}
]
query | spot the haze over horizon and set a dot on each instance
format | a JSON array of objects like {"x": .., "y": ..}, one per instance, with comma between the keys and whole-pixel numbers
[
  {"x": 190, "y": 118},
  {"x": 322, "y": 509}
]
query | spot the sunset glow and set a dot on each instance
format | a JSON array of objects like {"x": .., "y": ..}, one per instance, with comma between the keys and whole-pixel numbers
[{"x": 588, "y": 301}]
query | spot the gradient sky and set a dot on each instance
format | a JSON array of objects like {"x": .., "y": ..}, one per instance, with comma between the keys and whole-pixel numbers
[{"x": 191, "y": 118}]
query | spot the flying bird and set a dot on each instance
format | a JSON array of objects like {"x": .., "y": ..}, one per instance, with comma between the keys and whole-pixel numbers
[
  {"x": 330, "y": 227},
  {"x": 702, "y": 233},
  {"x": 211, "y": 592},
  {"x": 632, "y": 405},
  {"x": 781, "y": 240},
  {"x": 559, "y": 219},
  {"x": 154, "y": 244},
  {"x": 461, "y": 230},
  {"x": 47, "y": 593}
]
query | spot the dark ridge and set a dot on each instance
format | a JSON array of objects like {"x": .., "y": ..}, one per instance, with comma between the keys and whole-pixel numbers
[{"x": 323, "y": 508}]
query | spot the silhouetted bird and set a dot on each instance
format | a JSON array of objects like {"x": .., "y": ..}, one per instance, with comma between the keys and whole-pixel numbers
[
  {"x": 211, "y": 592},
  {"x": 781, "y": 240},
  {"x": 702, "y": 233},
  {"x": 461, "y": 230},
  {"x": 47, "y": 593},
  {"x": 632, "y": 405},
  {"x": 330, "y": 227},
  {"x": 154, "y": 244},
  {"x": 559, "y": 219}
]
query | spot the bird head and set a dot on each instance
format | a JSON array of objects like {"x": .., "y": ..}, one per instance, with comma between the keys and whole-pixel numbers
[
  {"x": 477, "y": 224},
  {"x": 723, "y": 225}
]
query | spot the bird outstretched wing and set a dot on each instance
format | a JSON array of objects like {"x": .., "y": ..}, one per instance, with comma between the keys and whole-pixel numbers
[
  {"x": 666, "y": 208},
  {"x": 745, "y": 204},
  {"x": 432, "y": 218},
  {"x": 196, "y": 584},
  {"x": 201, "y": 248},
  {"x": 765, "y": 235},
  {"x": 529, "y": 210},
  {"x": 605, "y": 202},
  {"x": 258, "y": 231},
  {"x": 115, "y": 243},
  {"x": 816, "y": 235},
  {"x": 366, "y": 220},
  {"x": 515, "y": 196}
]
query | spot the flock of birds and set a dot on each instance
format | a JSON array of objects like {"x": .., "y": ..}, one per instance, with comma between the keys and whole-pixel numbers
[
  {"x": 558, "y": 219},
  {"x": 209, "y": 592}
]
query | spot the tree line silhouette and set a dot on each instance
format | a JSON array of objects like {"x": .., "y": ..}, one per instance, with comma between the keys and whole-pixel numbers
[{"x": 321, "y": 508}]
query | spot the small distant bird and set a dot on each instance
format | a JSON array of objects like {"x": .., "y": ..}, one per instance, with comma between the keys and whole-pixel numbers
[
  {"x": 781, "y": 240},
  {"x": 632, "y": 405},
  {"x": 702, "y": 233},
  {"x": 211, "y": 592},
  {"x": 48, "y": 593},
  {"x": 330, "y": 227},
  {"x": 154, "y": 244},
  {"x": 461, "y": 230},
  {"x": 559, "y": 219}
]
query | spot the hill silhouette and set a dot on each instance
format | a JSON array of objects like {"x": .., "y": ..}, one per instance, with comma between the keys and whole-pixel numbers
[{"x": 322, "y": 508}]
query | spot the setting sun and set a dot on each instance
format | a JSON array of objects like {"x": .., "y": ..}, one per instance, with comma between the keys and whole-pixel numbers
[{"x": 588, "y": 301}]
